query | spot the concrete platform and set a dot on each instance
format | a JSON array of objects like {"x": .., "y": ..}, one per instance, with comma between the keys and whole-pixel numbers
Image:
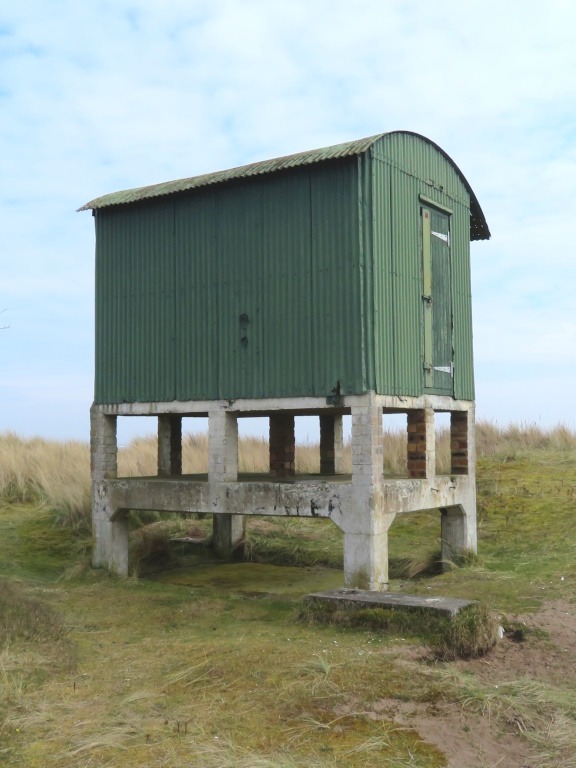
[{"x": 361, "y": 598}]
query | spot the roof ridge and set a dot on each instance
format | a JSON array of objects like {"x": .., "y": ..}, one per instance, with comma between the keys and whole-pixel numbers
[
  {"x": 258, "y": 168},
  {"x": 478, "y": 225}
]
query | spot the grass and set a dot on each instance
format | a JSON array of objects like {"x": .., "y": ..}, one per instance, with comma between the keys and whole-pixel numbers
[
  {"x": 471, "y": 633},
  {"x": 211, "y": 666},
  {"x": 56, "y": 475}
]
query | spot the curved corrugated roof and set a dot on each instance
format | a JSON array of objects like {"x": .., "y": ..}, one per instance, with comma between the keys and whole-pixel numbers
[{"x": 478, "y": 226}]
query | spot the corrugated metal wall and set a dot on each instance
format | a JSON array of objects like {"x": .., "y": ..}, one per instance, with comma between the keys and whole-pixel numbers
[
  {"x": 403, "y": 168},
  {"x": 337, "y": 302},
  {"x": 280, "y": 285},
  {"x": 135, "y": 301},
  {"x": 250, "y": 289},
  {"x": 462, "y": 305}
]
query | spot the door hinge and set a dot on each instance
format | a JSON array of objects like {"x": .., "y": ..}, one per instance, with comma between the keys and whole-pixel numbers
[
  {"x": 442, "y": 236},
  {"x": 445, "y": 369}
]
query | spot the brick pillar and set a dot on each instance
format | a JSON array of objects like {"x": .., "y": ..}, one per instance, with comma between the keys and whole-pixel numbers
[
  {"x": 282, "y": 445},
  {"x": 227, "y": 529},
  {"x": 103, "y": 446},
  {"x": 169, "y": 445},
  {"x": 338, "y": 446},
  {"x": 421, "y": 444},
  {"x": 327, "y": 452},
  {"x": 461, "y": 426},
  {"x": 109, "y": 527},
  {"x": 366, "y": 524}
]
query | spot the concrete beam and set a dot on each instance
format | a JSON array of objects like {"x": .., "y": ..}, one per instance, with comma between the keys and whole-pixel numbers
[{"x": 298, "y": 405}]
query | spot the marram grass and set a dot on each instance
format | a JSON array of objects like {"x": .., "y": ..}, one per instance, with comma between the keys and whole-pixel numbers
[{"x": 56, "y": 475}]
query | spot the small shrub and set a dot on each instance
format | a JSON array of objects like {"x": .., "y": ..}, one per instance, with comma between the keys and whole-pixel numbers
[
  {"x": 519, "y": 631},
  {"x": 26, "y": 618},
  {"x": 469, "y": 634},
  {"x": 150, "y": 546},
  {"x": 416, "y": 566}
]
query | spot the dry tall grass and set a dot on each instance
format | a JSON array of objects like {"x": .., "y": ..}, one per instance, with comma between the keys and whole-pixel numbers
[
  {"x": 48, "y": 473},
  {"x": 56, "y": 474}
]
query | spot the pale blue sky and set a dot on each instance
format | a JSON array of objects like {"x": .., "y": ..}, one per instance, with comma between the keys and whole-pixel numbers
[{"x": 107, "y": 95}]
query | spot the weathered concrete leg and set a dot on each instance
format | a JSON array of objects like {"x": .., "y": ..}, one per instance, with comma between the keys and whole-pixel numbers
[
  {"x": 459, "y": 523},
  {"x": 109, "y": 531},
  {"x": 366, "y": 561},
  {"x": 458, "y": 532},
  {"x": 227, "y": 533},
  {"x": 227, "y": 529},
  {"x": 169, "y": 445},
  {"x": 421, "y": 444},
  {"x": 366, "y": 526},
  {"x": 103, "y": 445},
  {"x": 282, "y": 445}
]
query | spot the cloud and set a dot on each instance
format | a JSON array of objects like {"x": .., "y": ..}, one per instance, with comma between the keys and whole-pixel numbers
[{"x": 108, "y": 95}]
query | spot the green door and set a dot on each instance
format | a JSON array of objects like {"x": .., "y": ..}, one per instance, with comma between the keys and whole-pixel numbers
[{"x": 437, "y": 302}]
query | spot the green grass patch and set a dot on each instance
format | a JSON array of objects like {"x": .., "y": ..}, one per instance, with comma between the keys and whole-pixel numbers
[{"x": 469, "y": 634}]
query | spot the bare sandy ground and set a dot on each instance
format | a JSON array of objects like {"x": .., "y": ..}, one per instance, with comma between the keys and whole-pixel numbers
[{"x": 479, "y": 740}]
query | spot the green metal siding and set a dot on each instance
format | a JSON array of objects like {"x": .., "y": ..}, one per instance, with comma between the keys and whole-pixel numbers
[
  {"x": 404, "y": 167},
  {"x": 196, "y": 308},
  {"x": 135, "y": 322},
  {"x": 248, "y": 290},
  {"x": 337, "y": 302},
  {"x": 462, "y": 307},
  {"x": 407, "y": 285},
  {"x": 383, "y": 322},
  {"x": 281, "y": 284}
]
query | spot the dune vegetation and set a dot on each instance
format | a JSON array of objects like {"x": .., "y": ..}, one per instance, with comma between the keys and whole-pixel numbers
[{"x": 196, "y": 662}]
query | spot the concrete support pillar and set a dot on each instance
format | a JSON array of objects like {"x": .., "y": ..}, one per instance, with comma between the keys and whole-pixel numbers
[
  {"x": 169, "y": 445},
  {"x": 458, "y": 531},
  {"x": 421, "y": 444},
  {"x": 109, "y": 529},
  {"x": 103, "y": 446},
  {"x": 227, "y": 529},
  {"x": 366, "y": 527},
  {"x": 462, "y": 442},
  {"x": 282, "y": 445},
  {"x": 110, "y": 532}
]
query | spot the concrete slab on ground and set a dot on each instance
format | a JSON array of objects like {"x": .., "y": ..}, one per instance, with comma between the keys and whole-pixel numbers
[{"x": 363, "y": 598}]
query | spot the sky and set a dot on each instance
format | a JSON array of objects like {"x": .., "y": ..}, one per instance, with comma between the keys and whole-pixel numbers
[{"x": 108, "y": 95}]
